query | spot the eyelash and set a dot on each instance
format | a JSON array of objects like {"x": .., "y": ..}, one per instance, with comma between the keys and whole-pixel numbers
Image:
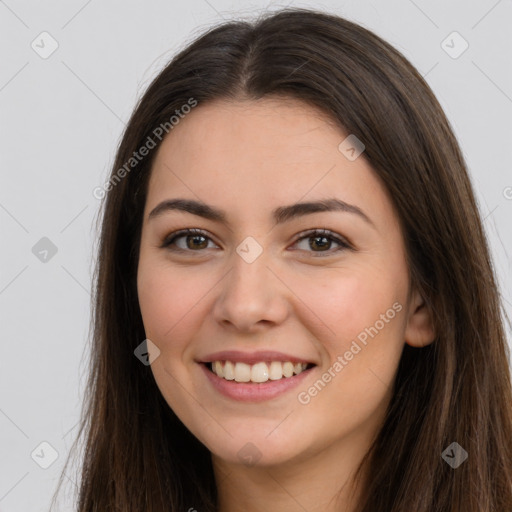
[{"x": 169, "y": 240}]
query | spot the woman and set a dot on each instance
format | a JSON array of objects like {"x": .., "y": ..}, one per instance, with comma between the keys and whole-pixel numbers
[{"x": 236, "y": 368}]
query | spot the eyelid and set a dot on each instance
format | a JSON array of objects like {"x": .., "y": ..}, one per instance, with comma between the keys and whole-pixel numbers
[
  {"x": 183, "y": 232},
  {"x": 323, "y": 231},
  {"x": 343, "y": 243}
]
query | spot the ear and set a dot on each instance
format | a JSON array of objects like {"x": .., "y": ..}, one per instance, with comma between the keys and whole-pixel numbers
[{"x": 419, "y": 331}]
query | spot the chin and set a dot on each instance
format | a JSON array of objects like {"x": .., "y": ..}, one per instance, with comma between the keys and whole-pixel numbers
[{"x": 257, "y": 451}]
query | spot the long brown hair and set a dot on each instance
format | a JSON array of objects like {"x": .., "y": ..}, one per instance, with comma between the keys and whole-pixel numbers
[{"x": 138, "y": 456}]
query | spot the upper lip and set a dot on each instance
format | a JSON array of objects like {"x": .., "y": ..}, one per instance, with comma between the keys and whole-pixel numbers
[{"x": 252, "y": 357}]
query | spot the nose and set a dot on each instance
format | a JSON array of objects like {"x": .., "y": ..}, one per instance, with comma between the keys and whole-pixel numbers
[{"x": 252, "y": 296}]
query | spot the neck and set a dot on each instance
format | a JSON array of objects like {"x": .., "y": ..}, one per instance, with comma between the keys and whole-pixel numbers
[{"x": 323, "y": 481}]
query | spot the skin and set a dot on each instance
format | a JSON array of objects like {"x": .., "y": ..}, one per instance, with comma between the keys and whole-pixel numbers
[{"x": 247, "y": 158}]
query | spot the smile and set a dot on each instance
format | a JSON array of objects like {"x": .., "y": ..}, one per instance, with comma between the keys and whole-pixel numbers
[
  {"x": 275, "y": 378},
  {"x": 257, "y": 373}
]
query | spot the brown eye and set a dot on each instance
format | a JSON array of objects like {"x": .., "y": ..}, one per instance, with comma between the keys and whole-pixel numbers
[
  {"x": 194, "y": 240},
  {"x": 320, "y": 241}
]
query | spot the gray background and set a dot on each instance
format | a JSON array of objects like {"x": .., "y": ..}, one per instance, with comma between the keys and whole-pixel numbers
[{"x": 61, "y": 120}]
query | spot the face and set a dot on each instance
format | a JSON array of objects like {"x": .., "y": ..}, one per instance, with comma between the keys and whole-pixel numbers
[{"x": 266, "y": 283}]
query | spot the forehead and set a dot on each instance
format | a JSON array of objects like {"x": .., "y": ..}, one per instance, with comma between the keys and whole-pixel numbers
[
  {"x": 258, "y": 153},
  {"x": 251, "y": 131}
]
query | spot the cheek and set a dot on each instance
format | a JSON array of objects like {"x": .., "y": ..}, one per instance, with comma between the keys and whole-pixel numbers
[
  {"x": 361, "y": 336},
  {"x": 171, "y": 301},
  {"x": 358, "y": 318},
  {"x": 161, "y": 299},
  {"x": 345, "y": 302}
]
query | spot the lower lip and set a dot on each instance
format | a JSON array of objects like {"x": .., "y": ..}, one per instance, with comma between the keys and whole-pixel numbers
[{"x": 253, "y": 391}]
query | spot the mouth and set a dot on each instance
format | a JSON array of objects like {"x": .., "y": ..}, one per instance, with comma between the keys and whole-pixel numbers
[
  {"x": 257, "y": 373},
  {"x": 252, "y": 383}
]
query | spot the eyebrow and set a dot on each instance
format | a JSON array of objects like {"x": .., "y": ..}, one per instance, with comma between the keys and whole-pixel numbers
[{"x": 280, "y": 215}]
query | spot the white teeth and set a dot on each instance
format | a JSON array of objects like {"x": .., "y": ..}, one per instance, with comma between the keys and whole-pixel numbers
[
  {"x": 288, "y": 369},
  {"x": 275, "y": 371},
  {"x": 229, "y": 370},
  {"x": 217, "y": 368},
  {"x": 259, "y": 372},
  {"x": 242, "y": 372}
]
